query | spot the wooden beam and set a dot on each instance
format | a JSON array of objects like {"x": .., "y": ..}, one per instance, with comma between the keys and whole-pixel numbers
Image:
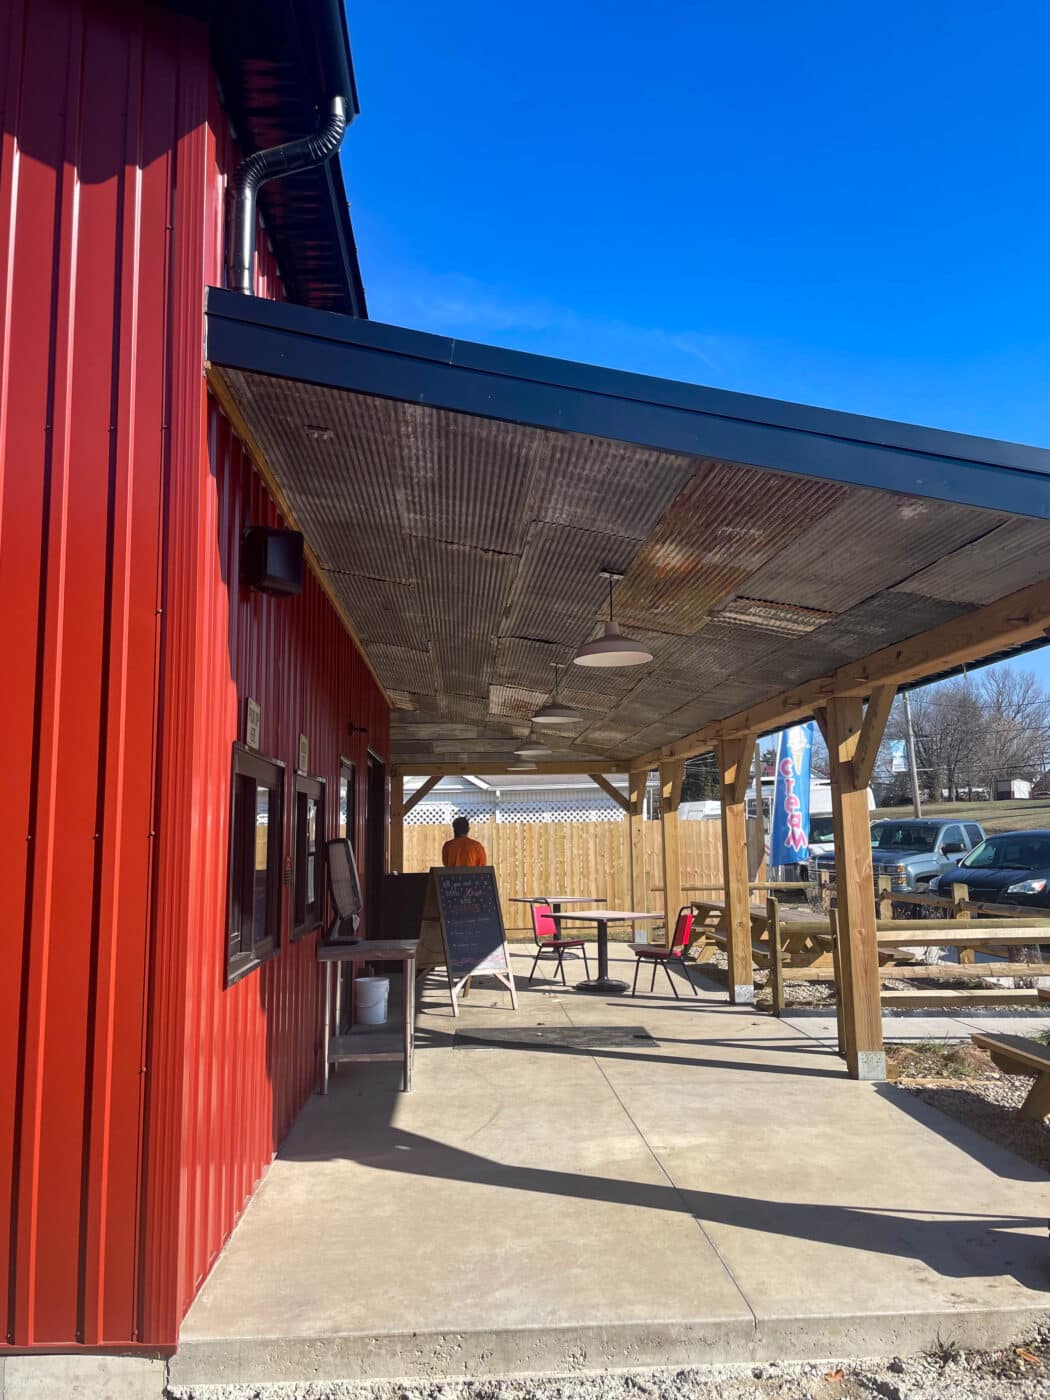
[
  {"x": 1020, "y": 617},
  {"x": 858, "y": 957},
  {"x": 733, "y": 768},
  {"x": 871, "y": 732},
  {"x": 420, "y": 792},
  {"x": 432, "y": 767},
  {"x": 821, "y": 716},
  {"x": 610, "y": 791},
  {"x": 639, "y": 779},
  {"x": 396, "y": 846},
  {"x": 743, "y": 768},
  {"x": 671, "y": 776}
]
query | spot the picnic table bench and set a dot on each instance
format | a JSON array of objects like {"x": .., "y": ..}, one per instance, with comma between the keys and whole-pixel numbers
[{"x": 1014, "y": 1054}]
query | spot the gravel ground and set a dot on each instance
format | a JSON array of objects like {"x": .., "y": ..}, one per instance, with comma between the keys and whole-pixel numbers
[{"x": 1020, "y": 1373}]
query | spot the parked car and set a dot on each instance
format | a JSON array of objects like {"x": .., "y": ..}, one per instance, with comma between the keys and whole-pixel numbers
[
  {"x": 1010, "y": 867},
  {"x": 912, "y": 851}
]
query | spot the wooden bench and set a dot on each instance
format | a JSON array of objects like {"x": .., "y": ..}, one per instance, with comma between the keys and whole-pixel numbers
[
  {"x": 1013, "y": 1054},
  {"x": 944, "y": 998}
]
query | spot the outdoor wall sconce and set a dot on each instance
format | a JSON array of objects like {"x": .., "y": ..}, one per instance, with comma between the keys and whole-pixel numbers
[
  {"x": 612, "y": 648},
  {"x": 272, "y": 560},
  {"x": 554, "y": 713}
]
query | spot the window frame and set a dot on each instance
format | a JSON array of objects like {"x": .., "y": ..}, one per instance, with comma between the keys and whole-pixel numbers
[
  {"x": 308, "y": 786},
  {"x": 269, "y": 772},
  {"x": 347, "y": 775}
]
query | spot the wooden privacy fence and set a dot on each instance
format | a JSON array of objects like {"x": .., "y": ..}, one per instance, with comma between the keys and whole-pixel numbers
[{"x": 587, "y": 858}]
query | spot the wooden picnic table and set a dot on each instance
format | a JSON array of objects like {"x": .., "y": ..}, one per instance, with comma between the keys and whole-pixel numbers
[{"x": 603, "y": 983}]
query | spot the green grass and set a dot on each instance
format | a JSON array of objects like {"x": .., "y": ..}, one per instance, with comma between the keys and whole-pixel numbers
[{"x": 1017, "y": 815}]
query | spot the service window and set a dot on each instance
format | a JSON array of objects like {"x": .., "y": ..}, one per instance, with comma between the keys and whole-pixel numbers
[
  {"x": 307, "y": 890},
  {"x": 256, "y": 850}
]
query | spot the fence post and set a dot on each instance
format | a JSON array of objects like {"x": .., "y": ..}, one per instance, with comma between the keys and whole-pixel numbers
[
  {"x": 885, "y": 897},
  {"x": 776, "y": 956},
  {"x": 960, "y": 893}
]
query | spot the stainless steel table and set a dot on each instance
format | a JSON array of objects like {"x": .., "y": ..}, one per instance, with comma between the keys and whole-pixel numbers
[
  {"x": 371, "y": 1042},
  {"x": 603, "y": 983}
]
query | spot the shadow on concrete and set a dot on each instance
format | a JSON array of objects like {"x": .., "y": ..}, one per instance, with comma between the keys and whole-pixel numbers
[
  {"x": 996, "y": 1156},
  {"x": 954, "y": 1245},
  {"x": 428, "y": 1038}
]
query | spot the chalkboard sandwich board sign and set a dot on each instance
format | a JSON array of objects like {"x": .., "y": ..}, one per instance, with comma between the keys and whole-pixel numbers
[{"x": 464, "y": 900}]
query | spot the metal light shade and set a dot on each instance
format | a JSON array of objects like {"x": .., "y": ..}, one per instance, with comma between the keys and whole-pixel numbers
[
  {"x": 523, "y": 767},
  {"x": 612, "y": 649},
  {"x": 557, "y": 714},
  {"x": 531, "y": 749}
]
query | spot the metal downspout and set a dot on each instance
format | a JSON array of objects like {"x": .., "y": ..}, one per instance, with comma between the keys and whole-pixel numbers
[{"x": 254, "y": 172}]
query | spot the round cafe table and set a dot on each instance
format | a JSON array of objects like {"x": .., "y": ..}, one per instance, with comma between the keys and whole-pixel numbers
[{"x": 603, "y": 984}]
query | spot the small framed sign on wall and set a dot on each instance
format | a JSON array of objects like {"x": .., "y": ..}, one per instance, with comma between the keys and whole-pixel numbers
[
  {"x": 252, "y": 721},
  {"x": 304, "y": 754}
]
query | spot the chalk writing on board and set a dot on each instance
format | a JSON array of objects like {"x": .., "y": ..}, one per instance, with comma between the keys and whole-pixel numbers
[{"x": 471, "y": 920}]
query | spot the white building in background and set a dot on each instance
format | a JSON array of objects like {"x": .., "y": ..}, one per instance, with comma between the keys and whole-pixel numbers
[
  {"x": 518, "y": 797},
  {"x": 1006, "y": 788}
]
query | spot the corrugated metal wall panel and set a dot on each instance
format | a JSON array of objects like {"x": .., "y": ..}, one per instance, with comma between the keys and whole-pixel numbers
[
  {"x": 121, "y": 496},
  {"x": 88, "y": 122}
]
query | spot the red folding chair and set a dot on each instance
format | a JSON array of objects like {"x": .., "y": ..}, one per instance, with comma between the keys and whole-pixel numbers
[
  {"x": 660, "y": 956},
  {"x": 549, "y": 941}
]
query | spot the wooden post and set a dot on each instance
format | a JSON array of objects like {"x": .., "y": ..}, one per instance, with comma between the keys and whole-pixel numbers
[
  {"x": 961, "y": 893},
  {"x": 396, "y": 846},
  {"x": 859, "y": 998},
  {"x": 639, "y": 778},
  {"x": 885, "y": 897},
  {"x": 671, "y": 774},
  {"x": 734, "y": 761},
  {"x": 776, "y": 956}
]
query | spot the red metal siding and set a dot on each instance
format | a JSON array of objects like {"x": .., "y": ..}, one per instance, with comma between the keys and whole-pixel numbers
[
  {"x": 250, "y": 1057},
  {"x": 120, "y": 493}
]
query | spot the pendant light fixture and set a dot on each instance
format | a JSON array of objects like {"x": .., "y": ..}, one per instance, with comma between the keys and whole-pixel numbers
[
  {"x": 532, "y": 748},
  {"x": 555, "y": 713},
  {"x": 612, "y": 648},
  {"x": 522, "y": 766}
]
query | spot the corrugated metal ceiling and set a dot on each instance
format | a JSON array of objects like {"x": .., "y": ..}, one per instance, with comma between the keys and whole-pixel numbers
[{"x": 467, "y": 551}]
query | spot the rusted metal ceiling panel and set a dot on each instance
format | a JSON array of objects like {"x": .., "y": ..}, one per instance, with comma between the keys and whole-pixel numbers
[
  {"x": 870, "y": 542},
  {"x": 383, "y": 611},
  {"x": 559, "y": 592},
  {"x": 578, "y": 471},
  {"x": 1012, "y": 555},
  {"x": 722, "y": 527},
  {"x": 465, "y": 479},
  {"x": 879, "y": 621},
  {"x": 406, "y": 668}
]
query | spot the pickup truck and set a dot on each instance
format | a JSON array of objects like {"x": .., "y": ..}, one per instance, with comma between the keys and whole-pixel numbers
[{"x": 913, "y": 850}]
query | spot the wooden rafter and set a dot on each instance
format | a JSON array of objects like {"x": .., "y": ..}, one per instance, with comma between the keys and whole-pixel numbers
[
  {"x": 420, "y": 792},
  {"x": 1018, "y": 618},
  {"x": 610, "y": 791},
  {"x": 875, "y": 717}
]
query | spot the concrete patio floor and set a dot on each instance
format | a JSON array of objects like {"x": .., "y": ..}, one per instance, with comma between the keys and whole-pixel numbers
[{"x": 725, "y": 1193}]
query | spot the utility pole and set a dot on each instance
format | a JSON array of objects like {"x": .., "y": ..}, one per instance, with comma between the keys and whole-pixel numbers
[{"x": 916, "y": 799}]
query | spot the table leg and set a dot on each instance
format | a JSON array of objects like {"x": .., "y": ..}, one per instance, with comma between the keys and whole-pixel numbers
[
  {"x": 327, "y": 1025},
  {"x": 603, "y": 984},
  {"x": 410, "y": 1022}
]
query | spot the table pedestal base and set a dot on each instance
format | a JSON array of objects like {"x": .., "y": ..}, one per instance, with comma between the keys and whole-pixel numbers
[{"x": 602, "y": 986}]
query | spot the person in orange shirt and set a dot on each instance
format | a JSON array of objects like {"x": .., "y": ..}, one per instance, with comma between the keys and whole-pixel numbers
[{"x": 463, "y": 849}]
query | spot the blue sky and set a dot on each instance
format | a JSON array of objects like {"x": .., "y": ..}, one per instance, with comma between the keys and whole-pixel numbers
[{"x": 840, "y": 205}]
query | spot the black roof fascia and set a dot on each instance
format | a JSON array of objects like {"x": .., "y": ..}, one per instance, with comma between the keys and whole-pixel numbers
[
  {"x": 367, "y": 357},
  {"x": 276, "y": 62}
]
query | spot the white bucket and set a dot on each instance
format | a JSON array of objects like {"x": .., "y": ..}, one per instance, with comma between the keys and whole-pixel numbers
[{"x": 371, "y": 995}]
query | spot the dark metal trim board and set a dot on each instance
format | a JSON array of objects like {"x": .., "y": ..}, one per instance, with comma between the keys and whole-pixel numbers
[{"x": 341, "y": 352}]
